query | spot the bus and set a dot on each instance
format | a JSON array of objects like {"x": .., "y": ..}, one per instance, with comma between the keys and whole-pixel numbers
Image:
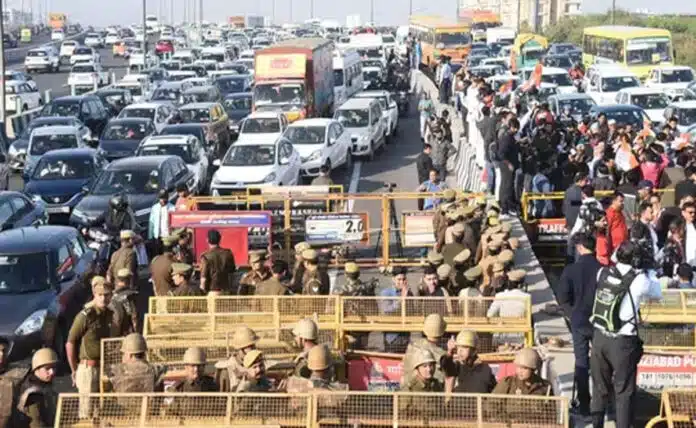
[
  {"x": 637, "y": 48},
  {"x": 439, "y": 36},
  {"x": 527, "y": 50},
  {"x": 480, "y": 21},
  {"x": 57, "y": 21},
  {"x": 348, "y": 77}
]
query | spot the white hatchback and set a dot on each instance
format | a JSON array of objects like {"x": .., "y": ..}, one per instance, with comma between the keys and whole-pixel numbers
[
  {"x": 320, "y": 142},
  {"x": 187, "y": 147}
]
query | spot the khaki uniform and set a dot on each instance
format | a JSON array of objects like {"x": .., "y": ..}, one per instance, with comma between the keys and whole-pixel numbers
[
  {"x": 422, "y": 405},
  {"x": 125, "y": 319},
  {"x": 253, "y": 385},
  {"x": 301, "y": 369},
  {"x": 449, "y": 252},
  {"x": 302, "y": 385},
  {"x": 235, "y": 371},
  {"x": 202, "y": 384},
  {"x": 315, "y": 283},
  {"x": 184, "y": 254},
  {"x": 10, "y": 380},
  {"x": 90, "y": 326},
  {"x": 514, "y": 410},
  {"x": 271, "y": 287},
  {"x": 190, "y": 406},
  {"x": 36, "y": 404},
  {"x": 471, "y": 376},
  {"x": 137, "y": 376},
  {"x": 417, "y": 346},
  {"x": 486, "y": 265},
  {"x": 251, "y": 279},
  {"x": 297, "y": 276},
  {"x": 123, "y": 258},
  {"x": 322, "y": 181},
  {"x": 161, "y": 273},
  {"x": 218, "y": 268}
]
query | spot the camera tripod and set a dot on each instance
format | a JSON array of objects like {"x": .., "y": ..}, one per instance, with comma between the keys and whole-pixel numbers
[{"x": 393, "y": 224}]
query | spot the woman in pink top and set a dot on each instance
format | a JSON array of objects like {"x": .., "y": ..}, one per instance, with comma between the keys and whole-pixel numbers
[{"x": 652, "y": 165}]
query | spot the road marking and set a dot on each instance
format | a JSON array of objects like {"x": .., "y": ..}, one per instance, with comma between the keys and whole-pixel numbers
[{"x": 354, "y": 180}]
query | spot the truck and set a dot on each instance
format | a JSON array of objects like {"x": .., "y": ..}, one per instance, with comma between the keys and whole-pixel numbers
[
  {"x": 296, "y": 77},
  {"x": 57, "y": 21},
  {"x": 249, "y": 21},
  {"x": 528, "y": 50}
]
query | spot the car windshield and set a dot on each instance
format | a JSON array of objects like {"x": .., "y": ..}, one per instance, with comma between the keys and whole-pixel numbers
[
  {"x": 650, "y": 101},
  {"x": 217, "y": 57},
  {"x": 142, "y": 113},
  {"x": 133, "y": 182},
  {"x": 63, "y": 169},
  {"x": 230, "y": 85},
  {"x": 37, "y": 53},
  {"x": 615, "y": 84},
  {"x": 180, "y": 77},
  {"x": 474, "y": 61},
  {"x": 371, "y": 75},
  {"x": 84, "y": 68},
  {"x": 338, "y": 76},
  {"x": 171, "y": 66},
  {"x": 242, "y": 155},
  {"x": 260, "y": 125},
  {"x": 135, "y": 90},
  {"x": 196, "y": 131},
  {"x": 114, "y": 99},
  {"x": 24, "y": 273},
  {"x": 372, "y": 63},
  {"x": 686, "y": 116},
  {"x": 180, "y": 150},
  {"x": 388, "y": 39},
  {"x": 646, "y": 51},
  {"x": 125, "y": 131},
  {"x": 239, "y": 103},
  {"x": 82, "y": 51},
  {"x": 677, "y": 76},
  {"x": 531, "y": 54},
  {"x": 40, "y": 144},
  {"x": 577, "y": 107},
  {"x": 306, "y": 134},
  {"x": 558, "y": 61},
  {"x": 34, "y": 125},
  {"x": 62, "y": 108},
  {"x": 453, "y": 39},
  {"x": 283, "y": 93},
  {"x": 195, "y": 115},
  {"x": 634, "y": 118},
  {"x": 560, "y": 79},
  {"x": 166, "y": 94},
  {"x": 353, "y": 118}
]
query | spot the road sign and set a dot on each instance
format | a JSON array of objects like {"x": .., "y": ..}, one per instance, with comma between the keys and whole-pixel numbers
[{"x": 337, "y": 228}]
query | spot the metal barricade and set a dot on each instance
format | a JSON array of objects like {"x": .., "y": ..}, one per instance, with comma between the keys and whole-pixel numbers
[
  {"x": 317, "y": 410},
  {"x": 668, "y": 325},
  {"x": 677, "y": 409}
]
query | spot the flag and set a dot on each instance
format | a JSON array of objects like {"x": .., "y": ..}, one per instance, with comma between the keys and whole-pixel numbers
[{"x": 505, "y": 89}]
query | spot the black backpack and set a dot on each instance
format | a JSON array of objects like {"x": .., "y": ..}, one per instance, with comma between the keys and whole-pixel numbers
[{"x": 612, "y": 287}]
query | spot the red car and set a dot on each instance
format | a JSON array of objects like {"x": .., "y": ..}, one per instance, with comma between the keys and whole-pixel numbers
[{"x": 164, "y": 46}]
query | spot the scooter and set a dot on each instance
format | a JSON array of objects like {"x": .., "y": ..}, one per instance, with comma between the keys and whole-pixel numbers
[{"x": 103, "y": 244}]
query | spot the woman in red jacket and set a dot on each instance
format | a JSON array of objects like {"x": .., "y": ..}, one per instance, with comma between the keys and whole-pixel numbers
[
  {"x": 603, "y": 249},
  {"x": 617, "y": 231}
]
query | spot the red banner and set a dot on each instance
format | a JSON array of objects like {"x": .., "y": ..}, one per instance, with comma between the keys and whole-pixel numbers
[{"x": 659, "y": 371}]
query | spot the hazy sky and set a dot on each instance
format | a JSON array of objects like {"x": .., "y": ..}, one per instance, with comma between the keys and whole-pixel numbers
[{"x": 104, "y": 12}]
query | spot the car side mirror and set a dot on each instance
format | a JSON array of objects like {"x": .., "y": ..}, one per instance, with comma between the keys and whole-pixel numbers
[
  {"x": 332, "y": 141},
  {"x": 216, "y": 162},
  {"x": 84, "y": 190},
  {"x": 284, "y": 161}
]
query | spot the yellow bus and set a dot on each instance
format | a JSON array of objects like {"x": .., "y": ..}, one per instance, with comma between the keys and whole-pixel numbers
[
  {"x": 638, "y": 48},
  {"x": 439, "y": 36}
]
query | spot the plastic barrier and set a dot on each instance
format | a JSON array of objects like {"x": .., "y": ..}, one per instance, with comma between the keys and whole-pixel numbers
[
  {"x": 677, "y": 409},
  {"x": 316, "y": 410}
]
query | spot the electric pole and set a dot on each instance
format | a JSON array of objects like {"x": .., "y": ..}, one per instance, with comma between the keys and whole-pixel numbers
[
  {"x": 410, "y": 7},
  {"x": 145, "y": 31},
  {"x": 372, "y": 12},
  {"x": 200, "y": 13},
  {"x": 311, "y": 9},
  {"x": 3, "y": 104},
  {"x": 613, "y": 12}
]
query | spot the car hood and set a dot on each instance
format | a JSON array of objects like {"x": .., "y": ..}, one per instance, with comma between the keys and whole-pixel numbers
[
  {"x": 94, "y": 205},
  {"x": 15, "y": 308},
  {"x": 20, "y": 144},
  {"x": 117, "y": 146},
  {"x": 243, "y": 174},
  {"x": 307, "y": 149},
  {"x": 55, "y": 187},
  {"x": 237, "y": 115},
  {"x": 258, "y": 138},
  {"x": 655, "y": 115}
]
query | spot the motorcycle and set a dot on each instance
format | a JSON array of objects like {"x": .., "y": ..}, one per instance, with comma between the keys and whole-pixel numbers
[{"x": 103, "y": 244}]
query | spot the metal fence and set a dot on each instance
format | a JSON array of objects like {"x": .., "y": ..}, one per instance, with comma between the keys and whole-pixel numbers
[
  {"x": 677, "y": 409},
  {"x": 668, "y": 325}
]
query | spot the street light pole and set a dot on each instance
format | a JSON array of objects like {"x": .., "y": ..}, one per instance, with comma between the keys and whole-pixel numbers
[
  {"x": 372, "y": 12},
  {"x": 3, "y": 106},
  {"x": 291, "y": 11},
  {"x": 410, "y": 7},
  {"x": 144, "y": 30},
  {"x": 200, "y": 13},
  {"x": 311, "y": 9}
]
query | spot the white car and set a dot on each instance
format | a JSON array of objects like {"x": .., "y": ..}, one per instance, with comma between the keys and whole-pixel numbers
[
  {"x": 94, "y": 40},
  {"x": 42, "y": 59},
  {"x": 58, "y": 35},
  {"x": 111, "y": 38},
  {"x": 20, "y": 95},
  {"x": 672, "y": 79},
  {"x": 262, "y": 161},
  {"x": 652, "y": 100},
  {"x": 267, "y": 124},
  {"x": 88, "y": 74},
  {"x": 320, "y": 142},
  {"x": 22, "y": 77},
  {"x": 67, "y": 48},
  {"x": 84, "y": 54},
  {"x": 187, "y": 147},
  {"x": 604, "y": 81},
  {"x": 158, "y": 113},
  {"x": 138, "y": 59},
  {"x": 47, "y": 138},
  {"x": 684, "y": 111},
  {"x": 560, "y": 77},
  {"x": 362, "y": 119},
  {"x": 390, "y": 109}
]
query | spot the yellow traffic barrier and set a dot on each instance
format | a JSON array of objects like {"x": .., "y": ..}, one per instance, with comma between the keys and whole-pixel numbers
[
  {"x": 668, "y": 325},
  {"x": 677, "y": 409},
  {"x": 316, "y": 410}
]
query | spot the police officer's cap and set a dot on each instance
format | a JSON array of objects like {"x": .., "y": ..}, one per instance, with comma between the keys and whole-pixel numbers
[
  {"x": 435, "y": 258},
  {"x": 319, "y": 358},
  {"x": 310, "y": 255},
  {"x": 301, "y": 246},
  {"x": 473, "y": 273},
  {"x": 463, "y": 256},
  {"x": 492, "y": 214},
  {"x": 351, "y": 267},
  {"x": 468, "y": 210},
  {"x": 102, "y": 288},
  {"x": 134, "y": 343},
  {"x": 306, "y": 329},
  {"x": 444, "y": 271},
  {"x": 481, "y": 201},
  {"x": 466, "y": 338},
  {"x": 44, "y": 357},
  {"x": 498, "y": 267},
  {"x": 123, "y": 274},
  {"x": 257, "y": 256},
  {"x": 243, "y": 338},
  {"x": 449, "y": 194},
  {"x": 251, "y": 358},
  {"x": 194, "y": 357},
  {"x": 434, "y": 326},
  {"x": 458, "y": 229},
  {"x": 493, "y": 221},
  {"x": 494, "y": 244},
  {"x": 169, "y": 240},
  {"x": 98, "y": 280},
  {"x": 180, "y": 268},
  {"x": 506, "y": 256},
  {"x": 444, "y": 207},
  {"x": 127, "y": 234},
  {"x": 527, "y": 357},
  {"x": 494, "y": 230},
  {"x": 424, "y": 356},
  {"x": 516, "y": 275}
]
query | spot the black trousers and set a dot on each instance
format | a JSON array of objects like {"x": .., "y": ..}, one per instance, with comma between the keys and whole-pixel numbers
[
  {"x": 582, "y": 336},
  {"x": 614, "y": 365}
]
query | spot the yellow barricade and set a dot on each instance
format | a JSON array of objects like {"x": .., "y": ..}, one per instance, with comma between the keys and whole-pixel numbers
[
  {"x": 316, "y": 410},
  {"x": 677, "y": 409},
  {"x": 668, "y": 325}
]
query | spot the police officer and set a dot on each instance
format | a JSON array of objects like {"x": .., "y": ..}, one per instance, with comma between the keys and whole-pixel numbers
[
  {"x": 217, "y": 266},
  {"x": 259, "y": 272},
  {"x": 183, "y": 251},
  {"x": 135, "y": 374},
  {"x": 498, "y": 280},
  {"x": 493, "y": 249},
  {"x": 37, "y": 398},
  {"x": 452, "y": 249},
  {"x": 243, "y": 341},
  {"x": 181, "y": 274},
  {"x": 124, "y": 258},
  {"x": 464, "y": 371},
  {"x": 298, "y": 269},
  {"x": 196, "y": 380},
  {"x": 90, "y": 326},
  {"x": 123, "y": 305},
  {"x": 315, "y": 280},
  {"x": 441, "y": 219},
  {"x": 11, "y": 379},
  {"x": 320, "y": 363},
  {"x": 274, "y": 286},
  {"x": 486, "y": 236},
  {"x": 435, "y": 259},
  {"x": 255, "y": 379},
  {"x": 422, "y": 379},
  {"x": 444, "y": 279},
  {"x": 306, "y": 335},
  {"x": 161, "y": 267},
  {"x": 461, "y": 265},
  {"x": 323, "y": 178},
  {"x": 525, "y": 381},
  {"x": 433, "y": 329}
]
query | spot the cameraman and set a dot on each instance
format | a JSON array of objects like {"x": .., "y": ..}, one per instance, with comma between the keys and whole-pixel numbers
[
  {"x": 590, "y": 211},
  {"x": 616, "y": 347}
]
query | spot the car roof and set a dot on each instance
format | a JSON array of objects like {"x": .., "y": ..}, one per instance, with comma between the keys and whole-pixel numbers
[
  {"x": 83, "y": 152},
  {"x": 614, "y": 107},
  {"x": 637, "y": 90},
  {"x": 34, "y": 239},
  {"x": 271, "y": 140},
  {"x": 122, "y": 120},
  {"x": 170, "y": 85},
  {"x": 55, "y": 129},
  {"x": 53, "y": 119},
  {"x": 356, "y": 103},
  {"x": 317, "y": 121},
  {"x": 192, "y": 106},
  {"x": 198, "y": 89},
  {"x": 239, "y": 95},
  {"x": 265, "y": 114},
  {"x": 145, "y": 162},
  {"x": 74, "y": 98},
  {"x": 168, "y": 139},
  {"x": 142, "y": 105}
]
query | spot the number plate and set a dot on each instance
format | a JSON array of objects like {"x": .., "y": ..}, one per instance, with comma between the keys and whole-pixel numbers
[
  {"x": 337, "y": 228},
  {"x": 58, "y": 210}
]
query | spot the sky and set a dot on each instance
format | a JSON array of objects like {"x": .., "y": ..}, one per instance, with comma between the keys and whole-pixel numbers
[{"x": 388, "y": 12}]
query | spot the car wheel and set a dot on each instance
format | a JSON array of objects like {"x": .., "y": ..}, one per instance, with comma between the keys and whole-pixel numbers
[
  {"x": 59, "y": 347},
  {"x": 371, "y": 155},
  {"x": 349, "y": 160},
  {"x": 25, "y": 107}
]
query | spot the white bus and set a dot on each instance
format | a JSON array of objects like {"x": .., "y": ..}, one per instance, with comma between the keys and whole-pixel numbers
[{"x": 348, "y": 76}]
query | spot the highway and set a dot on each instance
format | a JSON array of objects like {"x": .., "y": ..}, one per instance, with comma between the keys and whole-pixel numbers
[{"x": 16, "y": 55}]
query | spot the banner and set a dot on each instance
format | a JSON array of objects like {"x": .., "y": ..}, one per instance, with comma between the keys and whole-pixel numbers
[
  {"x": 337, "y": 228},
  {"x": 551, "y": 230},
  {"x": 418, "y": 228},
  {"x": 660, "y": 371},
  {"x": 280, "y": 66}
]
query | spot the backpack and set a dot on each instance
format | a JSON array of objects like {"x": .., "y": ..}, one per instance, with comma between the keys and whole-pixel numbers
[
  {"x": 10, "y": 383},
  {"x": 612, "y": 287}
]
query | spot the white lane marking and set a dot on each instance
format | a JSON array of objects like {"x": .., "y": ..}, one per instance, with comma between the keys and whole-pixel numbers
[{"x": 354, "y": 180}]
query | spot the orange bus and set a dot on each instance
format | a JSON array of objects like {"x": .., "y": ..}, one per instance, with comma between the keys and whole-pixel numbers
[
  {"x": 439, "y": 36},
  {"x": 480, "y": 21}
]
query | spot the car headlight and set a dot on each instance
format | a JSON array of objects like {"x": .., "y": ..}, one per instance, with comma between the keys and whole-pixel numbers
[
  {"x": 35, "y": 198},
  {"x": 315, "y": 155},
  {"x": 270, "y": 177},
  {"x": 32, "y": 324},
  {"x": 362, "y": 138}
]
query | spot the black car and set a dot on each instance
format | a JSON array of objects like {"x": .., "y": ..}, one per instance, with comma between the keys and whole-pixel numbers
[
  {"x": 558, "y": 61},
  {"x": 9, "y": 41},
  {"x": 623, "y": 114},
  {"x": 89, "y": 109},
  {"x": 42, "y": 271},
  {"x": 115, "y": 99},
  {"x": 237, "y": 106},
  {"x": 121, "y": 137},
  {"x": 16, "y": 210},
  {"x": 233, "y": 84},
  {"x": 140, "y": 178}
]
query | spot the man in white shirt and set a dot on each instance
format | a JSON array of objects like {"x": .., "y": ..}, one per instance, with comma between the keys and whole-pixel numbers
[
  {"x": 158, "y": 224},
  {"x": 616, "y": 347},
  {"x": 688, "y": 211},
  {"x": 444, "y": 79}
]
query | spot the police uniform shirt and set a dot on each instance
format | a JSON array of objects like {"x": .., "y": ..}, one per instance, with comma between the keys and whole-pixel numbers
[
  {"x": 644, "y": 286},
  {"x": 160, "y": 269},
  {"x": 512, "y": 385},
  {"x": 91, "y": 325},
  {"x": 37, "y": 401},
  {"x": 271, "y": 287},
  {"x": 124, "y": 258},
  {"x": 472, "y": 376},
  {"x": 201, "y": 384}
]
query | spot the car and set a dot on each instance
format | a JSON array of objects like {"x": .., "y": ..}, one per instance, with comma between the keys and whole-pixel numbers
[
  {"x": 17, "y": 210},
  {"x": 140, "y": 179},
  {"x": 214, "y": 117},
  {"x": 238, "y": 106},
  {"x": 9, "y": 41},
  {"x": 57, "y": 35},
  {"x": 159, "y": 114},
  {"x": 557, "y": 61},
  {"x": 269, "y": 160},
  {"x": 579, "y": 104},
  {"x": 362, "y": 119},
  {"x": 201, "y": 94},
  {"x": 269, "y": 124},
  {"x": 559, "y": 77},
  {"x": 133, "y": 86},
  {"x": 684, "y": 111},
  {"x": 485, "y": 71},
  {"x": 88, "y": 74},
  {"x": 60, "y": 178},
  {"x": 43, "y": 140},
  {"x": 42, "y": 59},
  {"x": 603, "y": 82},
  {"x": 652, "y": 100},
  {"x": 189, "y": 148},
  {"x": 232, "y": 84},
  {"x": 673, "y": 79},
  {"x": 20, "y": 97},
  {"x": 390, "y": 109},
  {"x": 111, "y": 38},
  {"x": 20, "y": 76},
  {"x": 43, "y": 270},
  {"x": 115, "y": 99},
  {"x": 320, "y": 142},
  {"x": 623, "y": 114},
  {"x": 67, "y": 48},
  {"x": 169, "y": 93},
  {"x": 560, "y": 48},
  {"x": 88, "y": 109},
  {"x": 121, "y": 137},
  {"x": 171, "y": 65},
  {"x": 94, "y": 40},
  {"x": 84, "y": 54},
  {"x": 690, "y": 91},
  {"x": 164, "y": 46}
]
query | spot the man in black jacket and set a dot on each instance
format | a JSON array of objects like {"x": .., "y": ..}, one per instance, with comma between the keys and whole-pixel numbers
[
  {"x": 487, "y": 127},
  {"x": 508, "y": 157},
  {"x": 424, "y": 163},
  {"x": 575, "y": 293},
  {"x": 686, "y": 187}
]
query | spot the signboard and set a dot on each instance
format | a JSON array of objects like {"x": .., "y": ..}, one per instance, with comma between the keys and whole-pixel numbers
[
  {"x": 418, "y": 228},
  {"x": 280, "y": 66},
  {"x": 337, "y": 228},
  {"x": 368, "y": 373},
  {"x": 241, "y": 231},
  {"x": 552, "y": 230},
  {"x": 660, "y": 371}
]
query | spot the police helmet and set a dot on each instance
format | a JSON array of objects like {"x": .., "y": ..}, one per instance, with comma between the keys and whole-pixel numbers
[
  {"x": 528, "y": 357},
  {"x": 434, "y": 326},
  {"x": 319, "y": 358},
  {"x": 134, "y": 343},
  {"x": 44, "y": 357},
  {"x": 194, "y": 356},
  {"x": 306, "y": 329},
  {"x": 243, "y": 338}
]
